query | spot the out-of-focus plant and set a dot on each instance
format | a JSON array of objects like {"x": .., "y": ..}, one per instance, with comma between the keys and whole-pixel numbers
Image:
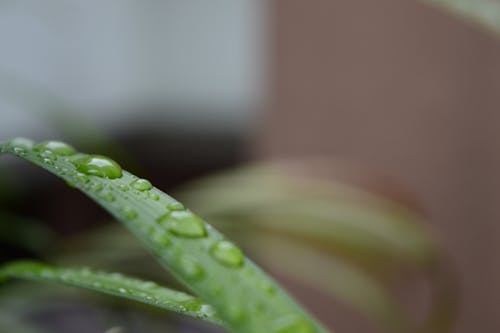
[{"x": 483, "y": 12}]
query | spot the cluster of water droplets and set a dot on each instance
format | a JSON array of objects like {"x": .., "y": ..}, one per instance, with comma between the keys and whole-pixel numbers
[{"x": 176, "y": 222}]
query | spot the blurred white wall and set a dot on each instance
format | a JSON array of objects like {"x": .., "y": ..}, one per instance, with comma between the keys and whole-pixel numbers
[{"x": 108, "y": 57}]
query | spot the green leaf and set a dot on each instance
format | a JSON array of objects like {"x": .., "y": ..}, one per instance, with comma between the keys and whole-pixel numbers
[
  {"x": 113, "y": 284},
  {"x": 483, "y": 12},
  {"x": 196, "y": 254}
]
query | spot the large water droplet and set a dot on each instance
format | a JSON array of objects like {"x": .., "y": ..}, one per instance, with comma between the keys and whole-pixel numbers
[
  {"x": 99, "y": 166},
  {"x": 142, "y": 185},
  {"x": 183, "y": 224},
  {"x": 57, "y": 147},
  {"x": 227, "y": 254}
]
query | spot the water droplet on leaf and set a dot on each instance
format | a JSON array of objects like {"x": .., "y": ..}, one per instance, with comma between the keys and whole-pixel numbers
[
  {"x": 57, "y": 147},
  {"x": 175, "y": 206},
  {"x": 123, "y": 188},
  {"x": 129, "y": 213},
  {"x": 142, "y": 185},
  {"x": 227, "y": 254},
  {"x": 183, "y": 224},
  {"x": 108, "y": 196},
  {"x": 99, "y": 166},
  {"x": 191, "y": 268}
]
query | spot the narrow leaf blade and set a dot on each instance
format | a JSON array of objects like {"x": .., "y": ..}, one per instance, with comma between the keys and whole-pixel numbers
[{"x": 113, "y": 284}]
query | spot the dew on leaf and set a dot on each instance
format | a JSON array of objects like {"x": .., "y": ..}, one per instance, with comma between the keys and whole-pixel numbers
[
  {"x": 227, "y": 254},
  {"x": 100, "y": 166},
  {"x": 191, "y": 268},
  {"x": 142, "y": 184},
  {"x": 82, "y": 178},
  {"x": 57, "y": 147},
  {"x": 129, "y": 213},
  {"x": 108, "y": 196},
  {"x": 159, "y": 238},
  {"x": 123, "y": 188},
  {"x": 175, "y": 206},
  {"x": 183, "y": 224}
]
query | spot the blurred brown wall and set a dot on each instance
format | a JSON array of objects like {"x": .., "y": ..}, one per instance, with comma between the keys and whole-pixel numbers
[{"x": 412, "y": 91}]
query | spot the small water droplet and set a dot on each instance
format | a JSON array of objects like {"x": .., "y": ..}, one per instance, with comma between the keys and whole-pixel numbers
[
  {"x": 192, "y": 305},
  {"x": 129, "y": 213},
  {"x": 99, "y": 166},
  {"x": 267, "y": 287},
  {"x": 227, "y": 254},
  {"x": 175, "y": 206},
  {"x": 123, "y": 187},
  {"x": 97, "y": 187},
  {"x": 108, "y": 196},
  {"x": 57, "y": 147},
  {"x": 183, "y": 224},
  {"x": 19, "y": 151},
  {"x": 48, "y": 161},
  {"x": 123, "y": 291},
  {"x": 154, "y": 196},
  {"x": 142, "y": 184},
  {"x": 160, "y": 239},
  {"x": 148, "y": 285},
  {"x": 191, "y": 268},
  {"x": 82, "y": 178},
  {"x": 48, "y": 154}
]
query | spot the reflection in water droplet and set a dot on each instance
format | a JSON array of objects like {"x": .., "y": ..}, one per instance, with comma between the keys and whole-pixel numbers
[
  {"x": 99, "y": 166},
  {"x": 57, "y": 147},
  {"x": 142, "y": 185},
  {"x": 183, "y": 224},
  {"x": 227, "y": 254}
]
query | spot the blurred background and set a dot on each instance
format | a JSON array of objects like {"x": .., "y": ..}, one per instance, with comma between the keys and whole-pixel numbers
[{"x": 378, "y": 117}]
